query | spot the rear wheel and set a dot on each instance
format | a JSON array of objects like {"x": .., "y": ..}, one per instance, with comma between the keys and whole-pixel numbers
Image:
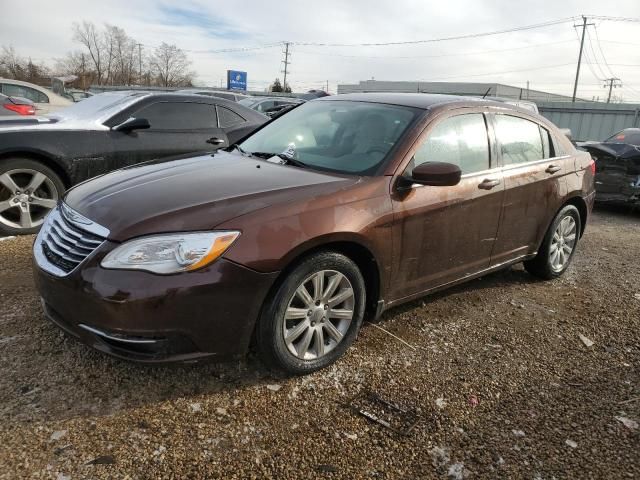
[
  {"x": 28, "y": 192},
  {"x": 314, "y": 316},
  {"x": 558, "y": 246}
]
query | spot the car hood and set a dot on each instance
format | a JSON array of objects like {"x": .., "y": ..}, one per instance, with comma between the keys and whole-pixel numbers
[{"x": 192, "y": 194}]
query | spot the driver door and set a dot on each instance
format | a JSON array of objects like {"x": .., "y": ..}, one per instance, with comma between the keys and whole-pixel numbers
[
  {"x": 442, "y": 234},
  {"x": 177, "y": 128}
]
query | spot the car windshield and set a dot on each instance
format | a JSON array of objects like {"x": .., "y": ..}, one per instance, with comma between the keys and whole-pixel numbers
[
  {"x": 341, "y": 136},
  {"x": 630, "y": 137},
  {"x": 97, "y": 106}
]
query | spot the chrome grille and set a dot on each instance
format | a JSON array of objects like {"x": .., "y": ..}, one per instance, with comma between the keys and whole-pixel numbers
[{"x": 66, "y": 240}]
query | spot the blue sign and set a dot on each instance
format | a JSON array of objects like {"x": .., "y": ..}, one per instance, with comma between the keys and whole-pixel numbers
[{"x": 236, "y": 80}]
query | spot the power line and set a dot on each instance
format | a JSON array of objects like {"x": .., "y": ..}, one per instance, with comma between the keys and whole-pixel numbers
[
  {"x": 595, "y": 56},
  {"x": 442, "y": 39},
  {"x": 461, "y": 54},
  {"x": 500, "y": 73},
  {"x": 595, "y": 29}
]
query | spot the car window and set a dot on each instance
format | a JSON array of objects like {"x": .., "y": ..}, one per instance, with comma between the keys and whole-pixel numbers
[
  {"x": 228, "y": 118},
  {"x": 520, "y": 139},
  {"x": 461, "y": 140},
  {"x": 179, "y": 116},
  {"x": 24, "y": 92}
]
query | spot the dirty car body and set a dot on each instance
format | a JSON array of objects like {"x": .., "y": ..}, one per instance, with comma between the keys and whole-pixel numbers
[
  {"x": 345, "y": 193},
  {"x": 617, "y": 167}
]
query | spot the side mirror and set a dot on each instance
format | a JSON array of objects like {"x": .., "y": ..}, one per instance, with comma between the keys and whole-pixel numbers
[
  {"x": 131, "y": 124},
  {"x": 438, "y": 174}
]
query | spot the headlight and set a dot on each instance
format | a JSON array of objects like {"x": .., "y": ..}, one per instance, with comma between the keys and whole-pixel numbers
[{"x": 171, "y": 253}]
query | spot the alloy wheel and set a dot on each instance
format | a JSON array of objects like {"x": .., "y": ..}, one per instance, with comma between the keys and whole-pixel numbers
[
  {"x": 563, "y": 243},
  {"x": 26, "y": 197},
  {"x": 318, "y": 315}
]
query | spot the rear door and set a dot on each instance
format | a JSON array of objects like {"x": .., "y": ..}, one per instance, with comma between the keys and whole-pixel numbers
[
  {"x": 442, "y": 234},
  {"x": 533, "y": 172},
  {"x": 176, "y": 128}
]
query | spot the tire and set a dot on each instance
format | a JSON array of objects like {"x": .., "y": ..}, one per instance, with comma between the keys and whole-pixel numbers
[
  {"x": 563, "y": 234},
  {"x": 308, "y": 317},
  {"x": 23, "y": 213}
]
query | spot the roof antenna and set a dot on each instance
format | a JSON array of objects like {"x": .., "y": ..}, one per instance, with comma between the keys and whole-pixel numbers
[{"x": 487, "y": 92}]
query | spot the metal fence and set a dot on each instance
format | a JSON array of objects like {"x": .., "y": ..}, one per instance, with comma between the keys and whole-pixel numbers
[{"x": 591, "y": 120}]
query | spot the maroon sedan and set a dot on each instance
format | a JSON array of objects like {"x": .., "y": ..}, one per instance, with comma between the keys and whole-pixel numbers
[{"x": 340, "y": 209}]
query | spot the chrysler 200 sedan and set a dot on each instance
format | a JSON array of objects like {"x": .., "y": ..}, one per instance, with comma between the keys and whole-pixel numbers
[{"x": 340, "y": 209}]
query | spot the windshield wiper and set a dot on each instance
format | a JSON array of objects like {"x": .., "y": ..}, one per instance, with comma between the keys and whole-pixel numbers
[
  {"x": 236, "y": 146},
  {"x": 288, "y": 160}
]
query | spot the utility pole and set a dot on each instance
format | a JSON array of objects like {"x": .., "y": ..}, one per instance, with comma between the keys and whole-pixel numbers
[
  {"x": 140, "y": 61},
  {"x": 83, "y": 68},
  {"x": 584, "y": 30},
  {"x": 611, "y": 83},
  {"x": 286, "y": 63}
]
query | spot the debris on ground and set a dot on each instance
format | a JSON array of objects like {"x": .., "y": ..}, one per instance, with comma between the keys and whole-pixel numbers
[
  {"x": 627, "y": 422},
  {"x": 102, "y": 460},
  {"x": 571, "y": 443},
  {"x": 274, "y": 387},
  {"x": 57, "y": 435},
  {"x": 383, "y": 412},
  {"x": 587, "y": 343}
]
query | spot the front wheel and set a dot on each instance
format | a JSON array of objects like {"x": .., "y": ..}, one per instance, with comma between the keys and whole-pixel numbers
[
  {"x": 559, "y": 245},
  {"x": 28, "y": 192},
  {"x": 314, "y": 315}
]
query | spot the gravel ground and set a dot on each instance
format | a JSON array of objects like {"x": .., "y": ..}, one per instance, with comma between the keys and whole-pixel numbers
[{"x": 502, "y": 383}]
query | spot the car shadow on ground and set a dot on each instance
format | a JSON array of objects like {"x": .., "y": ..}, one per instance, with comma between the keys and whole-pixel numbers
[{"x": 56, "y": 377}]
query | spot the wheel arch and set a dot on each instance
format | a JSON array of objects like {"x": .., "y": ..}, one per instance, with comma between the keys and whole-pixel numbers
[
  {"x": 41, "y": 157},
  {"x": 351, "y": 248},
  {"x": 578, "y": 202}
]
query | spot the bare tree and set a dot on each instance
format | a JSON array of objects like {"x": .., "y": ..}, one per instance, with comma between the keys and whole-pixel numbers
[
  {"x": 170, "y": 66},
  {"x": 16, "y": 67},
  {"x": 87, "y": 34}
]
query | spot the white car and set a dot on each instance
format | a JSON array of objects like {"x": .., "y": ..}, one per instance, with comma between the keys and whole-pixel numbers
[{"x": 44, "y": 99}]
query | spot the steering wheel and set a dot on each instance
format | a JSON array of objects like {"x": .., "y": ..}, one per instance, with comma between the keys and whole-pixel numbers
[{"x": 377, "y": 149}]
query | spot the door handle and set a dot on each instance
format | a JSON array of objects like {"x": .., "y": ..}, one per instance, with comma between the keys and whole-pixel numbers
[
  {"x": 215, "y": 141},
  {"x": 553, "y": 169},
  {"x": 488, "y": 183}
]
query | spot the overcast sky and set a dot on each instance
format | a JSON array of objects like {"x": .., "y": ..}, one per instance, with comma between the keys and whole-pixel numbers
[{"x": 544, "y": 56}]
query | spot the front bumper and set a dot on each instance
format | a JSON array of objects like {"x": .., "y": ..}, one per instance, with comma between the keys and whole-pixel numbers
[{"x": 156, "y": 318}]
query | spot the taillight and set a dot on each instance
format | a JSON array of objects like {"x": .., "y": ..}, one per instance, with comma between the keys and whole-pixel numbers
[
  {"x": 592, "y": 166},
  {"x": 21, "y": 109}
]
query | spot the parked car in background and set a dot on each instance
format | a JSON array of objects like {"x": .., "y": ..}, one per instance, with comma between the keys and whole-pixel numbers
[
  {"x": 44, "y": 99},
  {"x": 268, "y": 104},
  {"x": 14, "y": 106},
  {"x": 41, "y": 158},
  {"x": 76, "y": 95},
  {"x": 233, "y": 96},
  {"x": 617, "y": 167},
  {"x": 339, "y": 209}
]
